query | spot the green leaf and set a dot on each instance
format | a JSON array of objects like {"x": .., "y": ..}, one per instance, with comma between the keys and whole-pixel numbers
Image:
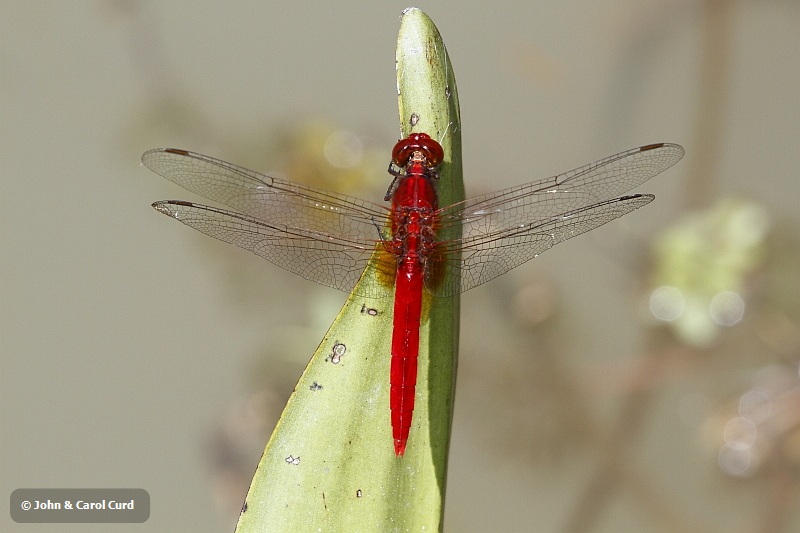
[{"x": 330, "y": 463}]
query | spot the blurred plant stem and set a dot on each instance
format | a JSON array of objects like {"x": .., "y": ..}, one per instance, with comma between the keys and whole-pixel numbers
[{"x": 717, "y": 18}]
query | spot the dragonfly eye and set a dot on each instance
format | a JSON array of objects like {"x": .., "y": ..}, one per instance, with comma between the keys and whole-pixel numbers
[{"x": 418, "y": 142}]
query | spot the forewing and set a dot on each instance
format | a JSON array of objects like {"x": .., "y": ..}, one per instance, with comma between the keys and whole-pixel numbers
[
  {"x": 329, "y": 259},
  {"x": 501, "y": 230},
  {"x": 486, "y": 255},
  {"x": 267, "y": 199},
  {"x": 541, "y": 200}
]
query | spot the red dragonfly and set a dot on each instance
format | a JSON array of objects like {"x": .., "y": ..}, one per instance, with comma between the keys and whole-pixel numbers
[{"x": 331, "y": 238}]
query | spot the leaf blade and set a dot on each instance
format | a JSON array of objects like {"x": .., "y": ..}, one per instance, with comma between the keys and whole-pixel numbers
[{"x": 347, "y": 477}]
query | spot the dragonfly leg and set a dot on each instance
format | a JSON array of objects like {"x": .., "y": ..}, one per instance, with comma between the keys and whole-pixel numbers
[{"x": 395, "y": 171}]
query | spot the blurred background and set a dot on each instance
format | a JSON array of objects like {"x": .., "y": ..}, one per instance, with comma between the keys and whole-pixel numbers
[{"x": 643, "y": 377}]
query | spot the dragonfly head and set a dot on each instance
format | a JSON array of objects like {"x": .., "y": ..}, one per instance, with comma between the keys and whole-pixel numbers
[{"x": 420, "y": 144}]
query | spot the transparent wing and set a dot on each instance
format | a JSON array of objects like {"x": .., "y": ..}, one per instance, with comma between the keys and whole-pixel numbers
[
  {"x": 501, "y": 230},
  {"x": 330, "y": 259},
  {"x": 331, "y": 238},
  {"x": 267, "y": 199},
  {"x": 320, "y": 235},
  {"x": 460, "y": 265}
]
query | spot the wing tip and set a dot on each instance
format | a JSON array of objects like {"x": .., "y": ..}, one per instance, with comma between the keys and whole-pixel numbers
[
  {"x": 672, "y": 146},
  {"x": 649, "y": 147},
  {"x": 153, "y": 151},
  {"x": 172, "y": 202},
  {"x": 167, "y": 207},
  {"x": 176, "y": 151},
  {"x": 644, "y": 196}
]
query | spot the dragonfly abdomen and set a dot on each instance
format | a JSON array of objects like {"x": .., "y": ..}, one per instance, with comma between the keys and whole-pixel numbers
[{"x": 405, "y": 349}]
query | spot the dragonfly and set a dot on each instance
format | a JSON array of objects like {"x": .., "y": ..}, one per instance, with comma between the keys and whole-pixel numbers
[{"x": 412, "y": 246}]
